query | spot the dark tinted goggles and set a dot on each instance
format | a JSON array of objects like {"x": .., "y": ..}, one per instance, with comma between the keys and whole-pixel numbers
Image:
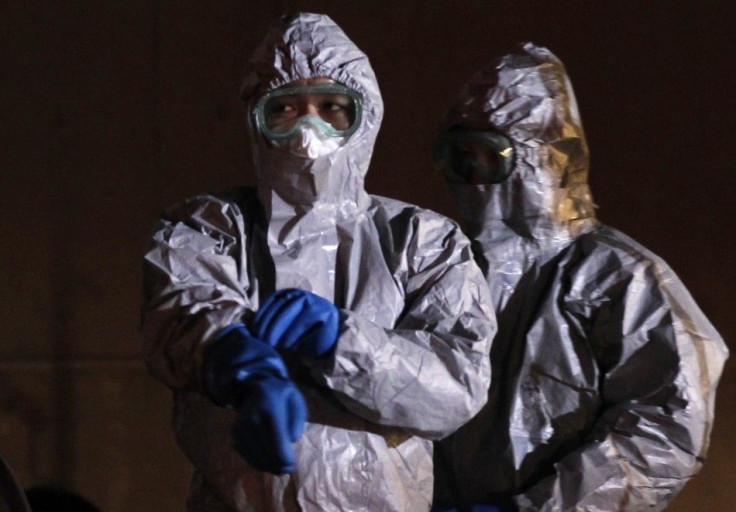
[{"x": 474, "y": 156}]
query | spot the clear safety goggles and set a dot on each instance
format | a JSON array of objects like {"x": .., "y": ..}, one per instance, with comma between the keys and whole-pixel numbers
[
  {"x": 474, "y": 156},
  {"x": 335, "y": 109}
]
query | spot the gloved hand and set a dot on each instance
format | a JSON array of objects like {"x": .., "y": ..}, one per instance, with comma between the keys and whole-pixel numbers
[
  {"x": 272, "y": 417},
  {"x": 233, "y": 358},
  {"x": 298, "y": 320},
  {"x": 239, "y": 371}
]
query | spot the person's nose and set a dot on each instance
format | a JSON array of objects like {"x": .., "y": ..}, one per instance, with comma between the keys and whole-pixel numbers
[{"x": 311, "y": 108}]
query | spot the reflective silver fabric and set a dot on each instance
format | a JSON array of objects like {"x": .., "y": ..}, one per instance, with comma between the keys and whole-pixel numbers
[
  {"x": 604, "y": 368},
  {"x": 412, "y": 364}
]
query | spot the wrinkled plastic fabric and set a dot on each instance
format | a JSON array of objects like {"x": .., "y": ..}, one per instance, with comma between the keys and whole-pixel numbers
[
  {"x": 604, "y": 368},
  {"x": 412, "y": 362}
]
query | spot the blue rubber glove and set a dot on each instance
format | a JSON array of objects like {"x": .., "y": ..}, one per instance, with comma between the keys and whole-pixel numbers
[
  {"x": 233, "y": 358},
  {"x": 272, "y": 417},
  {"x": 293, "y": 319},
  {"x": 240, "y": 371}
]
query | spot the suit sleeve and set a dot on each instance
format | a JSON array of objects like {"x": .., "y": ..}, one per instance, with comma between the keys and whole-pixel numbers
[
  {"x": 429, "y": 373},
  {"x": 193, "y": 286},
  {"x": 660, "y": 360}
]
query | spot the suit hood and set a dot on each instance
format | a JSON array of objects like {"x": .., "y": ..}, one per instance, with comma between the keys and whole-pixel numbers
[
  {"x": 527, "y": 97},
  {"x": 307, "y": 46}
]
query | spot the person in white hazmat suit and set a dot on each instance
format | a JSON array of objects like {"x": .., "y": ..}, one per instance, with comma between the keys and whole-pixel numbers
[
  {"x": 306, "y": 296},
  {"x": 604, "y": 368}
]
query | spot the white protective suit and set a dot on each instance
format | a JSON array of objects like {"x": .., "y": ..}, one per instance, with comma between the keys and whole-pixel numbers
[
  {"x": 414, "y": 352},
  {"x": 604, "y": 368}
]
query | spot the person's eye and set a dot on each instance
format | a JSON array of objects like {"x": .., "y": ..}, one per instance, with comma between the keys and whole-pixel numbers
[
  {"x": 331, "y": 106},
  {"x": 282, "y": 108}
]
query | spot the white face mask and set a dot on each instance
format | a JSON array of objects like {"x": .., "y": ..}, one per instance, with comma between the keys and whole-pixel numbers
[{"x": 310, "y": 141}]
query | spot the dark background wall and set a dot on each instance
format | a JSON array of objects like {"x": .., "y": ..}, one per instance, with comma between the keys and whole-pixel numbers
[{"x": 113, "y": 110}]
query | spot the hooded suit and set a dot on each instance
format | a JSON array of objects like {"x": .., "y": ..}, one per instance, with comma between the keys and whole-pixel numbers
[
  {"x": 411, "y": 363},
  {"x": 604, "y": 368}
]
